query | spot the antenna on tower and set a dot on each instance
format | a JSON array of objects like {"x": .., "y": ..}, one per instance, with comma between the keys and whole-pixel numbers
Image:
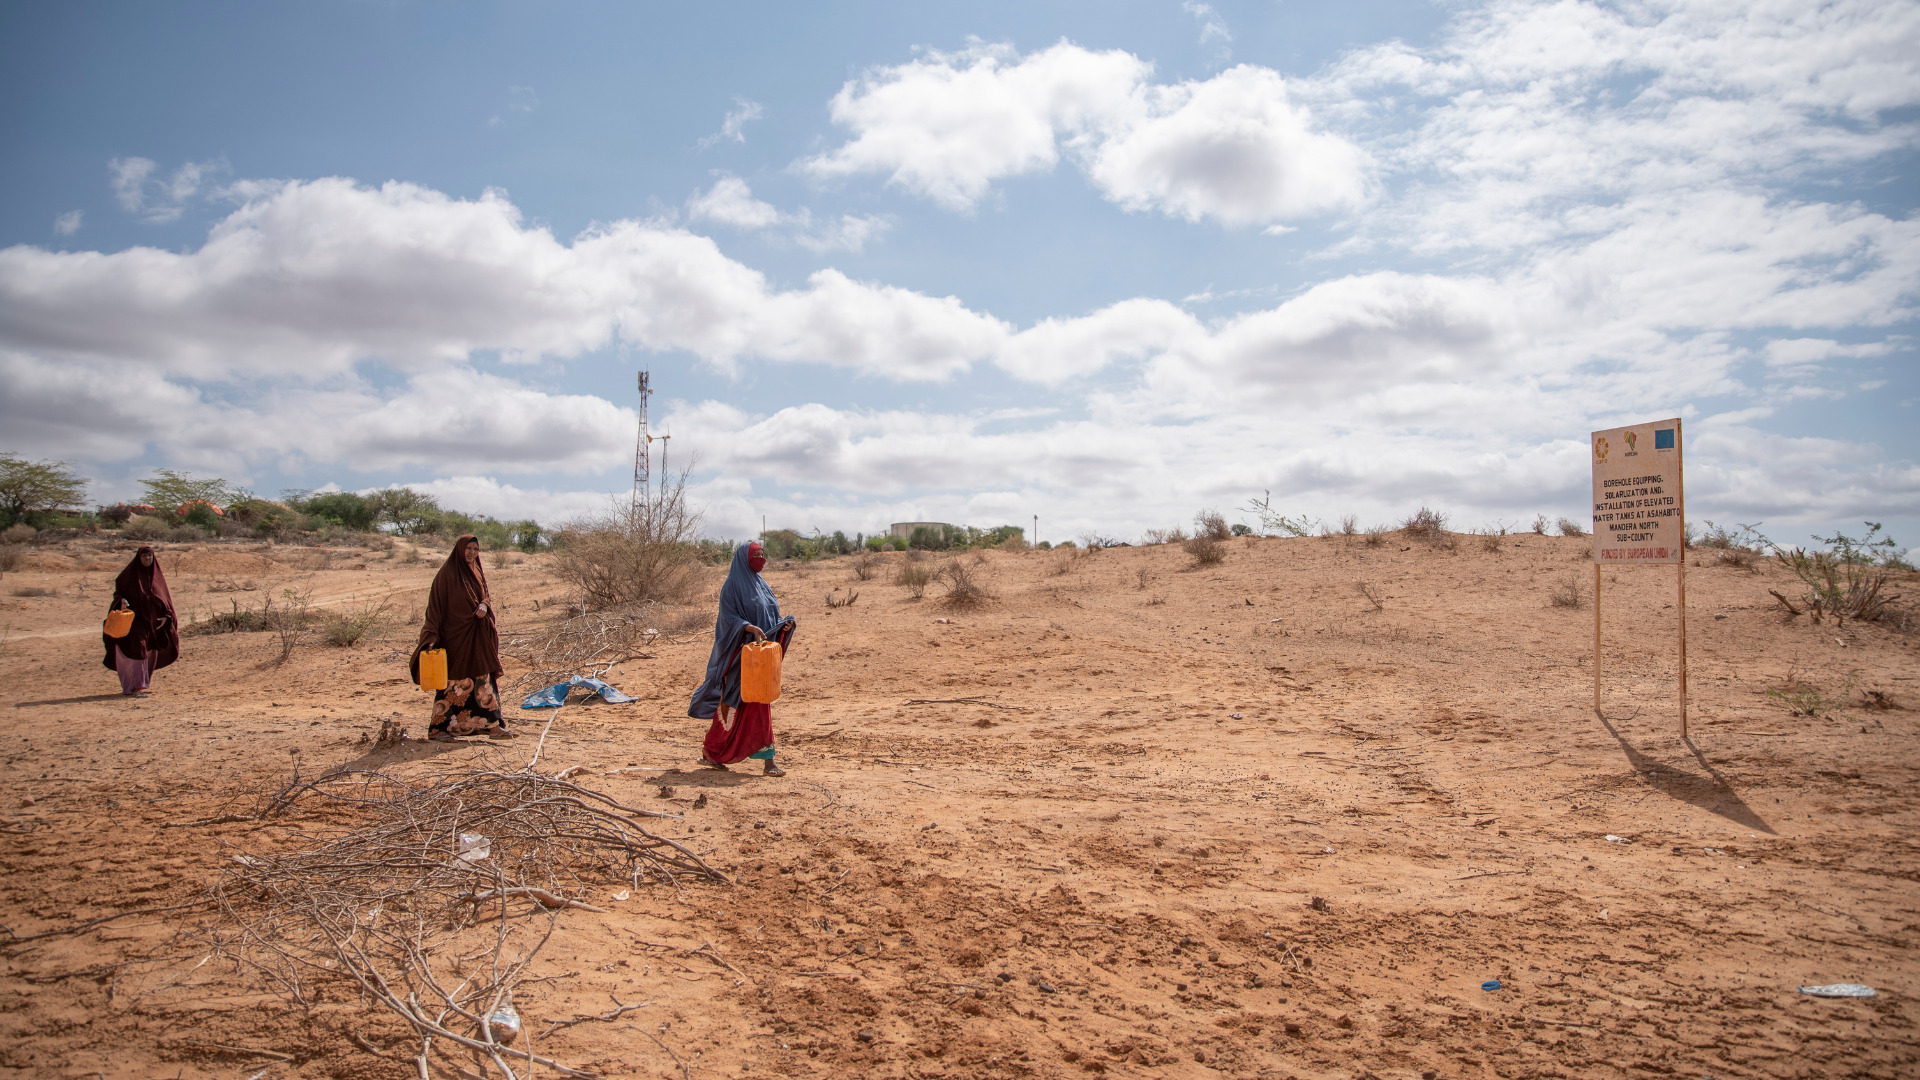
[{"x": 642, "y": 467}]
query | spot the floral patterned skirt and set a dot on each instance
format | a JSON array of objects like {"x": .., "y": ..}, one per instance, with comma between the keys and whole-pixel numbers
[{"x": 468, "y": 707}]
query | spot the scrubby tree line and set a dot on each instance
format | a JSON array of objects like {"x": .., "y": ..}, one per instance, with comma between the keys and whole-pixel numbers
[
  {"x": 788, "y": 544},
  {"x": 52, "y": 494}
]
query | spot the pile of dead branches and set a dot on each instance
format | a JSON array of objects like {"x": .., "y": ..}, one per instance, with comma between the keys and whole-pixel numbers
[
  {"x": 589, "y": 644},
  {"x": 430, "y": 899}
]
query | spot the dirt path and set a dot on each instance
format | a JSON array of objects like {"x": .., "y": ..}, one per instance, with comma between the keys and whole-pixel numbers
[{"x": 1079, "y": 829}]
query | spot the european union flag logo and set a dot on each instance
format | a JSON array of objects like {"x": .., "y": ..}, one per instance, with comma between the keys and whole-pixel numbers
[{"x": 1663, "y": 438}]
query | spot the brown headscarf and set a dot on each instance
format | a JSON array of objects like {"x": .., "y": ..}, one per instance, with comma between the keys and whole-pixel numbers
[
  {"x": 155, "y": 632},
  {"x": 472, "y": 641}
]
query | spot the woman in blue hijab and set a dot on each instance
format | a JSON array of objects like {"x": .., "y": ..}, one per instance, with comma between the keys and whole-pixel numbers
[{"x": 740, "y": 730}]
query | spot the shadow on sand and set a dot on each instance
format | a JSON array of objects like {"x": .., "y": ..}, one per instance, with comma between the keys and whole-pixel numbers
[
  {"x": 1711, "y": 792},
  {"x": 77, "y": 700}
]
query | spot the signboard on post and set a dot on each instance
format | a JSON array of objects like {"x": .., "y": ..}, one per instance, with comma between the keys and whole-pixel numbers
[
  {"x": 1637, "y": 511},
  {"x": 1640, "y": 516}
]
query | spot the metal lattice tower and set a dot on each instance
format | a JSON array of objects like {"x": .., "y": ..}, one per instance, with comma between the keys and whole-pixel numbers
[{"x": 642, "y": 468}]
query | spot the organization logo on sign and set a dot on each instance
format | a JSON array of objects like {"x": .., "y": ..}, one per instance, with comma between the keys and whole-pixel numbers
[
  {"x": 1633, "y": 439},
  {"x": 1600, "y": 449}
]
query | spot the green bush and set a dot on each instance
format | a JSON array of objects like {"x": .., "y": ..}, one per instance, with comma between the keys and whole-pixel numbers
[
  {"x": 342, "y": 508},
  {"x": 200, "y": 515}
]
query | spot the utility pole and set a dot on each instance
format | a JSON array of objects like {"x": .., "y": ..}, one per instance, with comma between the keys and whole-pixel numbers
[{"x": 642, "y": 479}]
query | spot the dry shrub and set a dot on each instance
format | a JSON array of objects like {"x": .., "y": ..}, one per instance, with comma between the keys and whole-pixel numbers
[
  {"x": 291, "y": 621},
  {"x": 1570, "y": 527},
  {"x": 1349, "y": 525},
  {"x": 865, "y": 565},
  {"x": 1842, "y": 583},
  {"x": 914, "y": 577},
  {"x": 1425, "y": 524},
  {"x": 591, "y": 643},
  {"x": 835, "y": 600},
  {"x": 1211, "y": 525},
  {"x": 1376, "y": 536},
  {"x": 18, "y": 533},
  {"x": 1492, "y": 542},
  {"x": 344, "y": 627},
  {"x": 144, "y": 527},
  {"x": 632, "y": 553},
  {"x": 306, "y": 559},
  {"x": 1142, "y": 577},
  {"x": 1366, "y": 589},
  {"x": 1174, "y": 535},
  {"x": 35, "y": 590},
  {"x": 427, "y": 901},
  {"x": 10, "y": 556},
  {"x": 1206, "y": 550},
  {"x": 1569, "y": 595},
  {"x": 966, "y": 587}
]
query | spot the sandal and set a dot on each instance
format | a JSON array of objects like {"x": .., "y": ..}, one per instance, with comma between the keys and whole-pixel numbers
[
  {"x": 774, "y": 770},
  {"x": 500, "y": 732},
  {"x": 440, "y": 735},
  {"x": 713, "y": 765}
]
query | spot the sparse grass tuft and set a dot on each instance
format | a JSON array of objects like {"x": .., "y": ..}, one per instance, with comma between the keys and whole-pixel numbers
[
  {"x": 1142, "y": 577},
  {"x": 1376, "y": 536},
  {"x": 914, "y": 577},
  {"x": 1803, "y": 698},
  {"x": 1570, "y": 527},
  {"x": 1366, "y": 589},
  {"x": 1492, "y": 542},
  {"x": 344, "y": 627},
  {"x": 35, "y": 590},
  {"x": 1540, "y": 524},
  {"x": 1569, "y": 595}
]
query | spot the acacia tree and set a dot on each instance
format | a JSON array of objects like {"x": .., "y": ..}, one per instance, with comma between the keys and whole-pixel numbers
[
  {"x": 37, "y": 485},
  {"x": 167, "y": 490}
]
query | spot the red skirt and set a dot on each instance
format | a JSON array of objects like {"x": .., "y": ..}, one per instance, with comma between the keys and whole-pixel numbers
[{"x": 752, "y": 732}]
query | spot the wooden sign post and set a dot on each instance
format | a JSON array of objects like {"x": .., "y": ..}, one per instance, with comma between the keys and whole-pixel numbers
[{"x": 1639, "y": 516}]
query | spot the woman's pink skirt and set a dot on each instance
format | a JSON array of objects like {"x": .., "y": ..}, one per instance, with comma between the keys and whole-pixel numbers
[{"x": 135, "y": 675}]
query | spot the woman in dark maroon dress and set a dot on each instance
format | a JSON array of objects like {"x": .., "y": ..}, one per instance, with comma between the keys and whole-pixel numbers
[
  {"x": 154, "y": 641},
  {"x": 460, "y": 619},
  {"x": 748, "y": 612}
]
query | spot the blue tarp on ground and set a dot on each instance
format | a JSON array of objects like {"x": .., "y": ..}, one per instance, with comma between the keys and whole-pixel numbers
[{"x": 556, "y": 695}]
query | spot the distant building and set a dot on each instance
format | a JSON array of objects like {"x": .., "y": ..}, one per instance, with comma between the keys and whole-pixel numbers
[{"x": 904, "y": 529}]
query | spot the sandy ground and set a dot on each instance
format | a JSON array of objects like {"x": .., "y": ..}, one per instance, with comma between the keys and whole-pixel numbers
[{"x": 1105, "y": 860}]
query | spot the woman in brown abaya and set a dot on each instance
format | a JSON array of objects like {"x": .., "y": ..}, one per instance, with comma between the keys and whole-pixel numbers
[
  {"x": 460, "y": 619},
  {"x": 154, "y": 641}
]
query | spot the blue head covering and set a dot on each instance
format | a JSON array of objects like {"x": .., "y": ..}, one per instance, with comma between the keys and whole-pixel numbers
[{"x": 745, "y": 598}]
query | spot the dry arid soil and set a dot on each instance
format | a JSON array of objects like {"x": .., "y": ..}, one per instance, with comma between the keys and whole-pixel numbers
[{"x": 1129, "y": 817}]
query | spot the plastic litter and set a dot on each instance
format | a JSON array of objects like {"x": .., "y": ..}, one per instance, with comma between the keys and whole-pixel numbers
[
  {"x": 1840, "y": 990},
  {"x": 1490, "y": 985},
  {"x": 473, "y": 847},
  {"x": 622, "y": 894},
  {"x": 503, "y": 1024},
  {"x": 552, "y": 697},
  {"x": 1612, "y": 839}
]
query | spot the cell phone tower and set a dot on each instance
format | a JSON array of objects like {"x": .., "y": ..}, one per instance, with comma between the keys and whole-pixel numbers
[{"x": 642, "y": 472}]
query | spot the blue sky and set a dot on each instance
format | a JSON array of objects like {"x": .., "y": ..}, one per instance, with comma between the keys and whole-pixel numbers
[{"x": 1107, "y": 264}]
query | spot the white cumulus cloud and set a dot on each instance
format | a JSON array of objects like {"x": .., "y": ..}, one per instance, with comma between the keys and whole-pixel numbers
[{"x": 1234, "y": 149}]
